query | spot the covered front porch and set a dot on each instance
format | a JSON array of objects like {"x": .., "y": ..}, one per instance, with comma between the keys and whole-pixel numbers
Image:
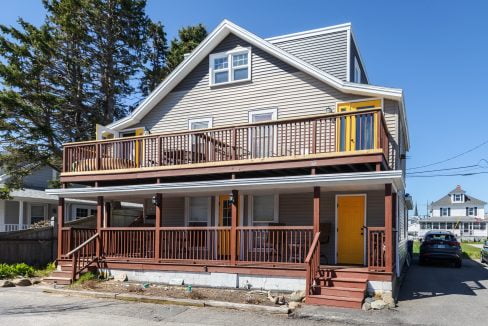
[{"x": 286, "y": 226}]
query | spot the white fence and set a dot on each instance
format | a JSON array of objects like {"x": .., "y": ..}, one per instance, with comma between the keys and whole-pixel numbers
[{"x": 13, "y": 227}]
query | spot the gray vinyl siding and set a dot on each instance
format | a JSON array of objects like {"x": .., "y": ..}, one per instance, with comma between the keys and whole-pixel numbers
[
  {"x": 274, "y": 84},
  {"x": 327, "y": 52},
  {"x": 39, "y": 179},
  {"x": 391, "y": 111}
]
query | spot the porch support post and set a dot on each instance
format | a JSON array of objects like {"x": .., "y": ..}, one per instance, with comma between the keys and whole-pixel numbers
[
  {"x": 388, "y": 228},
  {"x": 157, "y": 229},
  {"x": 60, "y": 226},
  {"x": 316, "y": 209},
  {"x": 100, "y": 207},
  {"x": 233, "y": 231}
]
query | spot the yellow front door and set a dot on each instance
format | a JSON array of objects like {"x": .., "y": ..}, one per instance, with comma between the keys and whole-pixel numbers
[
  {"x": 225, "y": 219},
  {"x": 350, "y": 233},
  {"x": 357, "y": 132}
]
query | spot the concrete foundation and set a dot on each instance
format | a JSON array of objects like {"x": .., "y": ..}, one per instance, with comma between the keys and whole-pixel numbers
[{"x": 221, "y": 280}]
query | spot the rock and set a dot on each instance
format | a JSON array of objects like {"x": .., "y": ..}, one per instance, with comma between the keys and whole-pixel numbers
[
  {"x": 122, "y": 277},
  {"x": 368, "y": 300},
  {"x": 176, "y": 281},
  {"x": 388, "y": 298},
  {"x": 23, "y": 282},
  {"x": 378, "y": 305},
  {"x": 36, "y": 280},
  {"x": 297, "y": 296},
  {"x": 281, "y": 300},
  {"x": 293, "y": 305},
  {"x": 366, "y": 306},
  {"x": 6, "y": 284}
]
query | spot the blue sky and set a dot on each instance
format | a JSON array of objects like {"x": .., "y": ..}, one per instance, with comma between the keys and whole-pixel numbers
[{"x": 434, "y": 50}]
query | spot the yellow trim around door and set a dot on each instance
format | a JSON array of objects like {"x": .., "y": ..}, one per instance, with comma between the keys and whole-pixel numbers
[
  {"x": 346, "y": 125},
  {"x": 350, "y": 231}
]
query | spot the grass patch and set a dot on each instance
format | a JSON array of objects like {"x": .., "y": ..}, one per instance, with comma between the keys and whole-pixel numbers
[
  {"x": 43, "y": 272},
  {"x": 88, "y": 276}
]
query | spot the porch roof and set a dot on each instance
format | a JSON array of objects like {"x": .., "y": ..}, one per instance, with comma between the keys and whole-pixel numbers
[{"x": 271, "y": 183}]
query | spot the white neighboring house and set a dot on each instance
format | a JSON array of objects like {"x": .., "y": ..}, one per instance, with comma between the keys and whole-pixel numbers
[
  {"x": 458, "y": 212},
  {"x": 31, "y": 204}
]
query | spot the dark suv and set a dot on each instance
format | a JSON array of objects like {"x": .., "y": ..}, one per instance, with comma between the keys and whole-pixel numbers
[{"x": 440, "y": 246}]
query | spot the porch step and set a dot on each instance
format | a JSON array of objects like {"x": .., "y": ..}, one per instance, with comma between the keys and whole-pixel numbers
[
  {"x": 342, "y": 292},
  {"x": 344, "y": 282},
  {"x": 62, "y": 274},
  {"x": 335, "y": 301},
  {"x": 58, "y": 280}
]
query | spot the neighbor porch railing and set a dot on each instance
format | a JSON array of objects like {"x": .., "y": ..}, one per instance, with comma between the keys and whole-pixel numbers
[
  {"x": 13, "y": 227},
  {"x": 365, "y": 129}
]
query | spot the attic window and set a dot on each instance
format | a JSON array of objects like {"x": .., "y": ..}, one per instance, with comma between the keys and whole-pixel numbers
[
  {"x": 230, "y": 67},
  {"x": 457, "y": 198}
]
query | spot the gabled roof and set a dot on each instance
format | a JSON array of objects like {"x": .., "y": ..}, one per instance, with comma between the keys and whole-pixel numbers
[
  {"x": 468, "y": 200},
  {"x": 457, "y": 190},
  {"x": 214, "y": 38}
]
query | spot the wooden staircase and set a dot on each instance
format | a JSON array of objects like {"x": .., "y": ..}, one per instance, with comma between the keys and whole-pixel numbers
[
  {"x": 70, "y": 266},
  {"x": 339, "y": 287}
]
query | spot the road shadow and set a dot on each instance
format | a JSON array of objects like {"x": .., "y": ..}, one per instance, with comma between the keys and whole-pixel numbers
[{"x": 439, "y": 279}]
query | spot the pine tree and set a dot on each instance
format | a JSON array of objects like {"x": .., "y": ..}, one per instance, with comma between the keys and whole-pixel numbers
[
  {"x": 416, "y": 211},
  {"x": 189, "y": 38},
  {"x": 155, "y": 69}
]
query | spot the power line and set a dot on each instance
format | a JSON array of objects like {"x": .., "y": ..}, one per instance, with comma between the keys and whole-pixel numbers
[
  {"x": 450, "y": 158},
  {"x": 447, "y": 169},
  {"x": 468, "y": 174}
]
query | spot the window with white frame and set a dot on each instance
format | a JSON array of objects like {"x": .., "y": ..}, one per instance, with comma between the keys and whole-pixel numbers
[
  {"x": 231, "y": 66},
  {"x": 457, "y": 198},
  {"x": 357, "y": 71},
  {"x": 471, "y": 211},
  {"x": 198, "y": 211},
  {"x": 262, "y": 138},
  {"x": 445, "y": 211},
  {"x": 264, "y": 209},
  {"x": 203, "y": 123},
  {"x": 197, "y": 144}
]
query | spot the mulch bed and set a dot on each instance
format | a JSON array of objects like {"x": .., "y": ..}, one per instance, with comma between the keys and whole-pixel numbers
[{"x": 180, "y": 292}]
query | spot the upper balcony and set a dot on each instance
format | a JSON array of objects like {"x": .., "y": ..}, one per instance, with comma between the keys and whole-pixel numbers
[{"x": 354, "y": 140}]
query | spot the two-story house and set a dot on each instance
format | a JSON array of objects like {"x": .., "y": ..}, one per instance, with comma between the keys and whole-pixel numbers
[
  {"x": 270, "y": 162},
  {"x": 31, "y": 204},
  {"x": 459, "y": 213}
]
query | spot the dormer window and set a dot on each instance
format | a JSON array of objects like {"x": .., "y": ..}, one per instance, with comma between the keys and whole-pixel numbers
[
  {"x": 457, "y": 198},
  {"x": 357, "y": 71},
  {"x": 230, "y": 67}
]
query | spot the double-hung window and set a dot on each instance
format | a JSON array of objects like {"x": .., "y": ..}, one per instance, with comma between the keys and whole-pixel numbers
[
  {"x": 198, "y": 211},
  {"x": 262, "y": 138},
  {"x": 445, "y": 211},
  {"x": 457, "y": 198},
  {"x": 264, "y": 209},
  {"x": 471, "y": 211},
  {"x": 231, "y": 66}
]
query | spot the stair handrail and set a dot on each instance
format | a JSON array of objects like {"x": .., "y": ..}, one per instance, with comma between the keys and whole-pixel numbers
[
  {"x": 313, "y": 263},
  {"x": 81, "y": 261}
]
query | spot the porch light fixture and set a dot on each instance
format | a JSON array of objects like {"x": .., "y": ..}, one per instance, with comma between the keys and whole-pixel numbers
[
  {"x": 328, "y": 109},
  {"x": 231, "y": 198},
  {"x": 155, "y": 200}
]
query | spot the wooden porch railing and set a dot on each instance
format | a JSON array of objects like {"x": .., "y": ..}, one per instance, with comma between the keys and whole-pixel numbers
[
  {"x": 273, "y": 244},
  {"x": 128, "y": 242},
  {"x": 376, "y": 249},
  {"x": 73, "y": 237},
  {"x": 282, "y": 138},
  {"x": 313, "y": 264},
  {"x": 83, "y": 256}
]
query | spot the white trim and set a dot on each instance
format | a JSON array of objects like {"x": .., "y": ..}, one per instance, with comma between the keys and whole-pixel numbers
[
  {"x": 273, "y": 111},
  {"x": 213, "y": 39},
  {"x": 272, "y": 183},
  {"x": 309, "y": 33},
  {"x": 209, "y": 209},
  {"x": 230, "y": 66},
  {"x": 348, "y": 55},
  {"x": 208, "y": 120},
  {"x": 276, "y": 207},
  {"x": 364, "y": 223}
]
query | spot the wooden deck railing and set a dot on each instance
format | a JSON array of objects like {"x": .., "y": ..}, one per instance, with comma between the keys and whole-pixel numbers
[
  {"x": 73, "y": 237},
  {"x": 272, "y": 139},
  {"x": 376, "y": 249},
  {"x": 274, "y": 244},
  {"x": 83, "y": 255},
  {"x": 312, "y": 262},
  {"x": 127, "y": 242}
]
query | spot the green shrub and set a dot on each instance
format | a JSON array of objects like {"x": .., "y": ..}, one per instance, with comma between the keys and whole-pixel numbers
[
  {"x": 88, "y": 276},
  {"x": 6, "y": 271},
  {"x": 23, "y": 269},
  {"x": 46, "y": 270}
]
